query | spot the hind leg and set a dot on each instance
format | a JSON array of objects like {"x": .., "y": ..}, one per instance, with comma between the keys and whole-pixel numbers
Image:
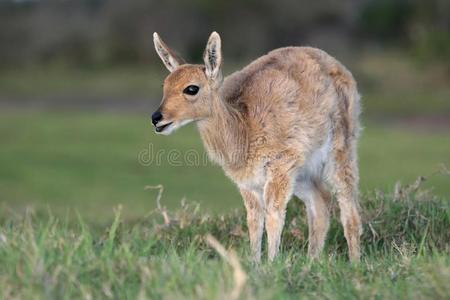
[
  {"x": 316, "y": 200},
  {"x": 345, "y": 182}
]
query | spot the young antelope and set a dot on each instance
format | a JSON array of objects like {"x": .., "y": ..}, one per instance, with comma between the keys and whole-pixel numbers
[{"x": 286, "y": 124}]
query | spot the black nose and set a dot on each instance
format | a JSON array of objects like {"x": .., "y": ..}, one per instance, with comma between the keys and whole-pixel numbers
[{"x": 156, "y": 117}]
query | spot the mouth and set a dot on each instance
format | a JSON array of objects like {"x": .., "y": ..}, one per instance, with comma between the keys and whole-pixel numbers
[
  {"x": 170, "y": 127},
  {"x": 161, "y": 128}
]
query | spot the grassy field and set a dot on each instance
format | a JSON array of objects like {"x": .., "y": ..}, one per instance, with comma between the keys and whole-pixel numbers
[
  {"x": 78, "y": 149},
  {"x": 405, "y": 256},
  {"x": 92, "y": 161}
]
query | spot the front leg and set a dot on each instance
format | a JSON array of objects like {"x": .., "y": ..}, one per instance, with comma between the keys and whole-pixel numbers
[
  {"x": 277, "y": 192},
  {"x": 255, "y": 221}
]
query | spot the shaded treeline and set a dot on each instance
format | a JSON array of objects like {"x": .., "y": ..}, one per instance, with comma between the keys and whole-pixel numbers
[{"x": 105, "y": 32}]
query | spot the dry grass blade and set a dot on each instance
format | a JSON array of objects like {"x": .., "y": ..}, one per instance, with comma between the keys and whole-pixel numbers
[
  {"x": 398, "y": 191},
  {"x": 240, "y": 276},
  {"x": 444, "y": 170},
  {"x": 401, "y": 191},
  {"x": 161, "y": 209},
  {"x": 416, "y": 185},
  {"x": 374, "y": 233}
]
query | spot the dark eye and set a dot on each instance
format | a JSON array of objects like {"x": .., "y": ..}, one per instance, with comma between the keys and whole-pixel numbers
[{"x": 191, "y": 90}]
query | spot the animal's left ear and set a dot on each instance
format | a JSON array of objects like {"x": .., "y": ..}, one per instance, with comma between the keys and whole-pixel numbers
[{"x": 213, "y": 57}]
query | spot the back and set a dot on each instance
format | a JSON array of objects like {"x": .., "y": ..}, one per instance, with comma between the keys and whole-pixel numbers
[{"x": 288, "y": 90}]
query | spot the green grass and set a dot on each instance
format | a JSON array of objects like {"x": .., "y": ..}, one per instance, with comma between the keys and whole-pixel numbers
[
  {"x": 395, "y": 87},
  {"x": 62, "y": 172},
  {"x": 51, "y": 81},
  {"x": 391, "y": 84},
  {"x": 405, "y": 256},
  {"x": 90, "y": 161}
]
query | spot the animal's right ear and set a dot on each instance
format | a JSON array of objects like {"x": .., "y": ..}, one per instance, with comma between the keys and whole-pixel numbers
[{"x": 169, "y": 58}]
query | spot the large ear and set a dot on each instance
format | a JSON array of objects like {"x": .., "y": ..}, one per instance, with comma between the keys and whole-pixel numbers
[
  {"x": 170, "y": 59},
  {"x": 213, "y": 57}
]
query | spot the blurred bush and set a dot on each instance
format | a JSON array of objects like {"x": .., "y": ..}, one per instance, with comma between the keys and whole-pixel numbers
[{"x": 105, "y": 32}]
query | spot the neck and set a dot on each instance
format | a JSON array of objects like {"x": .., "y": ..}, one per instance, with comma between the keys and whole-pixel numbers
[{"x": 224, "y": 134}]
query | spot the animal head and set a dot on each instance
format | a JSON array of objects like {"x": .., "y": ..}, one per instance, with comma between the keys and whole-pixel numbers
[{"x": 188, "y": 89}]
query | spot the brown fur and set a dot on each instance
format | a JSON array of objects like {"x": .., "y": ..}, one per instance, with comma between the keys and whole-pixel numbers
[{"x": 285, "y": 124}]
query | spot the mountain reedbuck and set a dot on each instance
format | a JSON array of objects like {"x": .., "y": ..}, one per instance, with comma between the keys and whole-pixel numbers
[{"x": 287, "y": 124}]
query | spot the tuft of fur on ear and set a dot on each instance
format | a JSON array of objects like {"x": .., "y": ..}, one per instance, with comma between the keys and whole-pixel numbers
[
  {"x": 213, "y": 57},
  {"x": 170, "y": 59}
]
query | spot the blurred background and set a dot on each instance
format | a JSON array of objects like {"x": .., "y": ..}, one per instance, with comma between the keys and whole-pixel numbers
[{"x": 79, "y": 80}]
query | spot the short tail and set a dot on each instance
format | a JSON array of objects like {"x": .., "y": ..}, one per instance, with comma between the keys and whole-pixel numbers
[{"x": 349, "y": 98}]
